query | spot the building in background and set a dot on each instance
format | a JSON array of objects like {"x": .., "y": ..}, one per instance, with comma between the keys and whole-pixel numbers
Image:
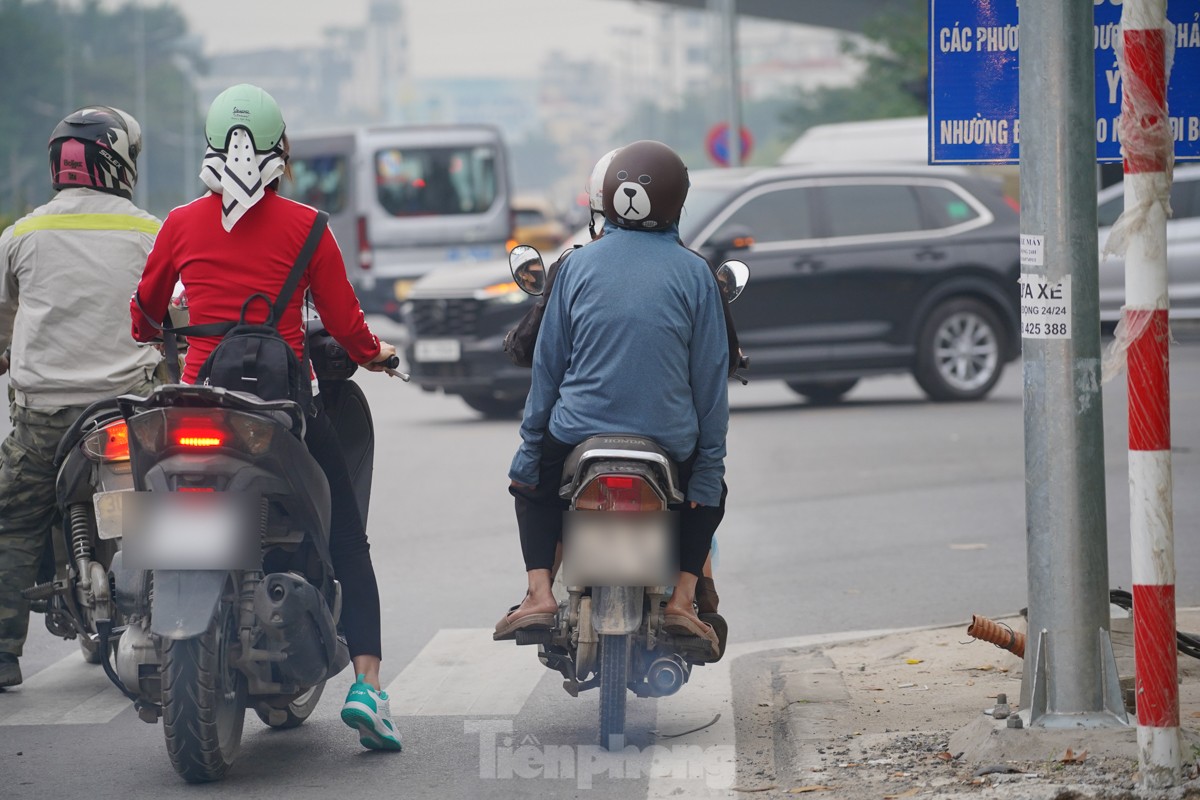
[{"x": 573, "y": 109}]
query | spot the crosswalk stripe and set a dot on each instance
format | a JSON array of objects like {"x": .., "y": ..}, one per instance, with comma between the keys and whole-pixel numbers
[
  {"x": 461, "y": 672},
  {"x": 68, "y": 692}
]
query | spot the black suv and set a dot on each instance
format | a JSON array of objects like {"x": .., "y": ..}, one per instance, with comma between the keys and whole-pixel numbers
[{"x": 854, "y": 272}]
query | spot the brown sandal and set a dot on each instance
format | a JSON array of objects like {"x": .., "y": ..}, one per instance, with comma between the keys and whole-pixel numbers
[
  {"x": 507, "y": 627},
  {"x": 680, "y": 625}
]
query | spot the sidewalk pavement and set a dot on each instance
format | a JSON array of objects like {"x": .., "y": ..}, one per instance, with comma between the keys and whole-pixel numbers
[{"x": 903, "y": 715}]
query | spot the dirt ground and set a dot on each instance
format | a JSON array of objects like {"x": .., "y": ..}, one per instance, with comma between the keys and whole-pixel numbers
[{"x": 908, "y": 715}]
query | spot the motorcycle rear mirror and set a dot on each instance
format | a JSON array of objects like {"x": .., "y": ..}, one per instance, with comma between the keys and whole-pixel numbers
[
  {"x": 527, "y": 269},
  {"x": 732, "y": 277}
]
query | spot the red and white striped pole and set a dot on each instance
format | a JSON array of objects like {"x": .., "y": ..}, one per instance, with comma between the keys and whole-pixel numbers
[{"x": 1148, "y": 157}]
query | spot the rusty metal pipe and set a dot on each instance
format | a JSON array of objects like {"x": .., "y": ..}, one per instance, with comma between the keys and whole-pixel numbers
[{"x": 1002, "y": 636}]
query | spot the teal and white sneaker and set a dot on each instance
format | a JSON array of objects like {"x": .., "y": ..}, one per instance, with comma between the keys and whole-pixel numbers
[{"x": 368, "y": 711}]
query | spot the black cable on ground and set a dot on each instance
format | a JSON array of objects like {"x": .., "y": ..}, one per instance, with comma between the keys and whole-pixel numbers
[{"x": 1188, "y": 643}]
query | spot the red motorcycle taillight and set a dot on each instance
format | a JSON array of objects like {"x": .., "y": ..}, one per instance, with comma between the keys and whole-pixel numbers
[
  {"x": 107, "y": 444},
  {"x": 198, "y": 432},
  {"x": 619, "y": 493},
  {"x": 201, "y": 429}
]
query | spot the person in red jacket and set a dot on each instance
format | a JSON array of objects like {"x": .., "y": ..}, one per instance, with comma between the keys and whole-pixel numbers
[{"x": 241, "y": 238}]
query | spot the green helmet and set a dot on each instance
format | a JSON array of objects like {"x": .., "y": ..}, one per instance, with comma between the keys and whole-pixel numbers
[{"x": 248, "y": 107}]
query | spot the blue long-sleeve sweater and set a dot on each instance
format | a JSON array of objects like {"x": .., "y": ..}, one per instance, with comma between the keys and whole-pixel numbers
[{"x": 633, "y": 341}]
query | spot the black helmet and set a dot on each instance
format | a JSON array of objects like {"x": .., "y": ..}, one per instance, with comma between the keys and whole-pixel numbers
[
  {"x": 96, "y": 147},
  {"x": 645, "y": 186}
]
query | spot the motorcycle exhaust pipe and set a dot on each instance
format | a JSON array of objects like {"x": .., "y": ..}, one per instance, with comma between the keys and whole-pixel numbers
[
  {"x": 667, "y": 675},
  {"x": 134, "y": 649},
  {"x": 299, "y": 625}
]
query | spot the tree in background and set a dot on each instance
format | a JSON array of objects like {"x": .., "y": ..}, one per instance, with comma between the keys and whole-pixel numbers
[
  {"x": 30, "y": 59},
  {"x": 894, "y": 54},
  {"x": 58, "y": 57}
]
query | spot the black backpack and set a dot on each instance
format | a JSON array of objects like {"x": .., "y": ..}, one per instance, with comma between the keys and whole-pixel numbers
[{"x": 255, "y": 357}]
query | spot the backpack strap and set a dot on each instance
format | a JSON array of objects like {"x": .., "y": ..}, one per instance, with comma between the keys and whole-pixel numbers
[
  {"x": 170, "y": 340},
  {"x": 293, "y": 278}
]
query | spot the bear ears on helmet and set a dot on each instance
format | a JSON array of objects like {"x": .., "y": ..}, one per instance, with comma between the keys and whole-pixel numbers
[{"x": 645, "y": 186}]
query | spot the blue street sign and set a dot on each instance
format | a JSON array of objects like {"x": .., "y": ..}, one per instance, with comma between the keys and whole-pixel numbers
[{"x": 973, "y": 89}]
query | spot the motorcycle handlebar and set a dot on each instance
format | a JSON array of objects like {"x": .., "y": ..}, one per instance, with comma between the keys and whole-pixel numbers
[{"x": 392, "y": 362}]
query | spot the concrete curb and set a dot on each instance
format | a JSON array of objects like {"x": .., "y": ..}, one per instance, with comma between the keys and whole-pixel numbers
[{"x": 902, "y": 715}]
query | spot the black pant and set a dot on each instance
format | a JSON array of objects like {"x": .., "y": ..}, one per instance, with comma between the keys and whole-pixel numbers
[
  {"x": 540, "y": 513},
  {"x": 348, "y": 546}
]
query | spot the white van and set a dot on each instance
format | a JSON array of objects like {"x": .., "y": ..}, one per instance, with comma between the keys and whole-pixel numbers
[
  {"x": 403, "y": 200},
  {"x": 901, "y": 140}
]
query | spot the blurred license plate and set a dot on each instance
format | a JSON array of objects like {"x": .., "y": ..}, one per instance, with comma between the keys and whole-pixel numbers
[
  {"x": 437, "y": 350},
  {"x": 619, "y": 549},
  {"x": 109, "y": 517},
  {"x": 190, "y": 531}
]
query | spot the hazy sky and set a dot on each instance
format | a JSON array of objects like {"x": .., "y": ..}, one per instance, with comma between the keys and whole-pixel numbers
[{"x": 446, "y": 37}]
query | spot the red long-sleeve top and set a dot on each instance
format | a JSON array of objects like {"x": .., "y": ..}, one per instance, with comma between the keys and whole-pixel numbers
[{"x": 220, "y": 269}]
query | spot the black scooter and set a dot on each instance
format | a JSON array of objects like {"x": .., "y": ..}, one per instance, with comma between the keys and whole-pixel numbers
[{"x": 224, "y": 579}]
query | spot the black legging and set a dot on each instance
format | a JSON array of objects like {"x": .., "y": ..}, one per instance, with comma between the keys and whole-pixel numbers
[
  {"x": 540, "y": 514},
  {"x": 348, "y": 545}
]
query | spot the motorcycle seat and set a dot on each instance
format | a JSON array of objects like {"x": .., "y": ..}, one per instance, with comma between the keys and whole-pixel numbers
[{"x": 619, "y": 445}]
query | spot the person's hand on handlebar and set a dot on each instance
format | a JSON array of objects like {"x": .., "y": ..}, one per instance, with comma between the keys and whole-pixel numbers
[{"x": 386, "y": 359}]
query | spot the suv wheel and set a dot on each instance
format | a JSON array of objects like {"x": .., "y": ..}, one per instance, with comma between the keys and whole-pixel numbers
[
  {"x": 822, "y": 393},
  {"x": 495, "y": 407},
  {"x": 959, "y": 353}
]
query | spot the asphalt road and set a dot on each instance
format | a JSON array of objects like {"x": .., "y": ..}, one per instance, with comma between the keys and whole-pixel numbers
[{"x": 886, "y": 511}]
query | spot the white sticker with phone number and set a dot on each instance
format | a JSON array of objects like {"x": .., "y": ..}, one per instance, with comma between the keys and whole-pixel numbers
[{"x": 1045, "y": 307}]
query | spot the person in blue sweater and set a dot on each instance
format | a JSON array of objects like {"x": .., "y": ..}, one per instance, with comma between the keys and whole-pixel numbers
[{"x": 633, "y": 340}]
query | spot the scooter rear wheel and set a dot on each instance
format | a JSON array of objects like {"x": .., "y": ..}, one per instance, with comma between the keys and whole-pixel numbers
[
  {"x": 204, "y": 699},
  {"x": 614, "y": 678}
]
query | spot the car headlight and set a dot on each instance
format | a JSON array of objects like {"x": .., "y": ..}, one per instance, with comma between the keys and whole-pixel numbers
[{"x": 507, "y": 292}]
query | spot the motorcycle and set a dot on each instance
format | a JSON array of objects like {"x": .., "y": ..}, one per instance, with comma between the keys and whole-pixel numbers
[
  {"x": 618, "y": 560},
  {"x": 73, "y": 590},
  {"x": 223, "y": 594}
]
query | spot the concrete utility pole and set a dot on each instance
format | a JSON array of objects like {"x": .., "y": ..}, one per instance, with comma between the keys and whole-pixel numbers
[
  {"x": 735, "y": 84},
  {"x": 141, "y": 192},
  {"x": 1070, "y": 677},
  {"x": 725, "y": 18},
  {"x": 67, "y": 16}
]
